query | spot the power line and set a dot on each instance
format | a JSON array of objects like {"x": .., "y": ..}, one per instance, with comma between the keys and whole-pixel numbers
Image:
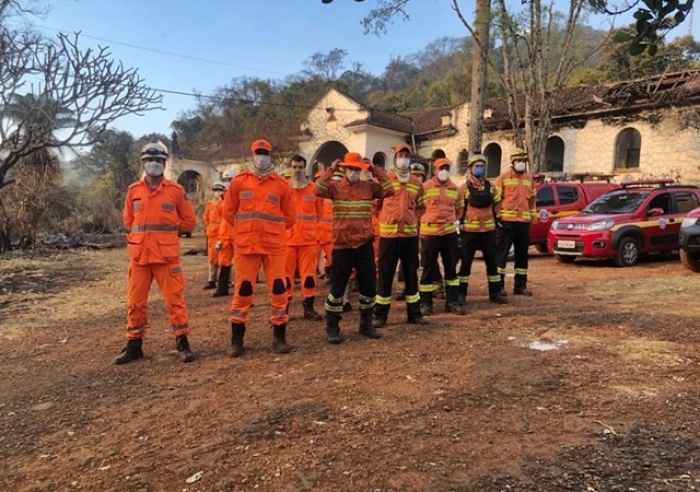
[{"x": 162, "y": 52}]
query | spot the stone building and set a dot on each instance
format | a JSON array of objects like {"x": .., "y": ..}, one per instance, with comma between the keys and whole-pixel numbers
[
  {"x": 635, "y": 129},
  {"x": 645, "y": 128}
]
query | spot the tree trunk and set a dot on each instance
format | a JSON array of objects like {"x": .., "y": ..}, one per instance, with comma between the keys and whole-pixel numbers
[{"x": 479, "y": 72}]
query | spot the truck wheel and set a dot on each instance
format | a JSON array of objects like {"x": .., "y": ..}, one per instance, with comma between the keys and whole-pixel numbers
[
  {"x": 627, "y": 252},
  {"x": 690, "y": 260},
  {"x": 565, "y": 258},
  {"x": 542, "y": 248}
]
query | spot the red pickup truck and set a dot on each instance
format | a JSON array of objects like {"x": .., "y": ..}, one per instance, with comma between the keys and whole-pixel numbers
[{"x": 561, "y": 199}]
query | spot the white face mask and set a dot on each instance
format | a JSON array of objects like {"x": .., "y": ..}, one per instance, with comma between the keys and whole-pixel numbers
[
  {"x": 443, "y": 174},
  {"x": 519, "y": 166},
  {"x": 353, "y": 175},
  {"x": 154, "y": 169},
  {"x": 218, "y": 194},
  {"x": 403, "y": 163},
  {"x": 262, "y": 161}
]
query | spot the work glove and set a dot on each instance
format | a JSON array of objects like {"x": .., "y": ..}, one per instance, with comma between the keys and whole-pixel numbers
[{"x": 218, "y": 245}]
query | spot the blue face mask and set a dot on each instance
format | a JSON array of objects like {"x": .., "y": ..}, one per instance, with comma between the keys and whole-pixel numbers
[{"x": 478, "y": 172}]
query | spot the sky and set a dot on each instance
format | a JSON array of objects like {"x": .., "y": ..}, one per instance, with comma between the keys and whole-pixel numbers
[{"x": 186, "y": 46}]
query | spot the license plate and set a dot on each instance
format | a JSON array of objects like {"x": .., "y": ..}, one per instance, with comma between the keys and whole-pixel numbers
[{"x": 566, "y": 244}]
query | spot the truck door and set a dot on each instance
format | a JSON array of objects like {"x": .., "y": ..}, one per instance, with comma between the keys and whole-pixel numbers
[
  {"x": 662, "y": 225},
  {"x": 545, "y": 202}
]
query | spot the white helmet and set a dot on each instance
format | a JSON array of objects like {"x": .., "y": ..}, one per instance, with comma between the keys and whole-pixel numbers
[
  {"x": 218, "y": 186},
  {"x": 154, "y": 149},
  {"x": 229, "y": 174}
]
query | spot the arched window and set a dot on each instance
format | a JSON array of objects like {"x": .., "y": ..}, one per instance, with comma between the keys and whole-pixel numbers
[
  {"x": 190, "y": 181},
  {"x": 493, "y": 160},
  {"x": 463, "y": 161},
  {"x": 379, "y": 159},
  {"x": 553, "y": 155},
  {"x": 326, "y": 154},
  {"x": 628, "y": 145}
]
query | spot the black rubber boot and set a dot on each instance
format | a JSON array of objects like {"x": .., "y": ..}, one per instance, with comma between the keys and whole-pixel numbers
[
  {"x": 522, "y": 291},
  {"x": 426, "y": 303},
  {"x": 333, "y": 329},
  {"x": 279, "y": 342},
  {"x": 456, "y": 308},
  {"x": 495, "y": 294},
  {"x": 224, "y": 279},
  {"x": 503, "y": 286},
  {"x": 327, "y": 275},
  {"x": 367, "y": 328},
  {"x": 183, "y": 349},
  {"x": 132, "y": 351},
  {"x": 462, "y": 293},
  {"x": 237, "y": 334},
  {"x": 309, "y": 311}
]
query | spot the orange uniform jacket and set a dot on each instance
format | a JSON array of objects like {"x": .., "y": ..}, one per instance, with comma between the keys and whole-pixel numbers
[
  {"x": 352, "y": 206},
  {"x": 518, "y": 196},
  {"x": 480, "y": 219},
  {"x": 155, "y": 219},
  {"x": 325, "y": 225},
  {"x": 260, "y": 209},
  {"x": 212, "y": 218},
  {"x": 225, "y": 232},
  {"x": 309, "y": 211},
  {"x": 444, "y": 204},
  {"x": 399, "y": 215}
]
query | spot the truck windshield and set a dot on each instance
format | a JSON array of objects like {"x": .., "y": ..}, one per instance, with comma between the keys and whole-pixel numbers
[{"x": 616, "y": 203}]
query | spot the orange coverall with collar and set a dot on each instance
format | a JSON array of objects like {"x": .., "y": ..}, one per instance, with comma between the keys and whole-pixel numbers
[
  {"x": 212, "y": 221},
  {"x": 155, "y": 218},
  {"x": 225, "y": 235},
  {"x": 302, "y": 240},
  {"x": 260, "y": 210}
]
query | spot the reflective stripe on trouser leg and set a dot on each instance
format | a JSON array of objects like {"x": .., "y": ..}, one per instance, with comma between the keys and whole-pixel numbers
[
  {"x": 247, "y": 267},
  {"x": 273, "y": 265},
  {"x": 171, "y": 280}
]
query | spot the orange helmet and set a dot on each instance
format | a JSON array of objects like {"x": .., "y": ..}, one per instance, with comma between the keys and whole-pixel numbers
[
  {"x": 441, "y": 163},
  {"x": 261, "y": 145},
  {"x": 354, "y": 160}
]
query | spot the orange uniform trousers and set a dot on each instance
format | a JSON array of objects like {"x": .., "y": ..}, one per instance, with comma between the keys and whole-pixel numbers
[
  {"x": 212, "y": 253},
  {"x": 247, "y": 267},
  {"x": 226, "y": 252},
  {"x": 305, "y": 259},
  {"x": 171, "y": 280},
  {"x": 327, "y": 249}
]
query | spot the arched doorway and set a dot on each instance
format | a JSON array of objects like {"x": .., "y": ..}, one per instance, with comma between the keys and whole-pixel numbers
[
  {"x": 493, "y": 154},
  {"x": 191, "y": 181},
  {"x": 628, "y": 146},
  {"x": 379, "y": 159},
  {"x": 553, "y": 155},
  {"x": 326, "y": 154}
]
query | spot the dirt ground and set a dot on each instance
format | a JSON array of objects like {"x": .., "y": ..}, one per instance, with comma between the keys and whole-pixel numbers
[{"x": 591, "y": 385}]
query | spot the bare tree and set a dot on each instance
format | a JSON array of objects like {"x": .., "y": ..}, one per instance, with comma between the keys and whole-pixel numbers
[
  {"x": 87, "y": 85},
  {"x": 326, "y": 65}
]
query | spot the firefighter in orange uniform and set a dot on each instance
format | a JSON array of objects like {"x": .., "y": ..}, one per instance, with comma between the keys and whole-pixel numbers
[
  {"x": 518, "y": 211},
  {"x": 324, "y": 234},
  {"x": 399, "y": 218},
  {"x": 352, "y": 238},
  {"x": 212, "y": 221},
  {"x": 444, "y": 204},
  {"x": 224, "y": 244},
  {"x": 482, "y": 202},
  {"x": 302, "y": 238},
  {"x": 260, "y": 207},
  {"x": 156, "y": 211}
]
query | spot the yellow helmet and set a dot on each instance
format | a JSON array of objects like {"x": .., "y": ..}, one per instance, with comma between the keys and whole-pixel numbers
[{"x": 518, "y": 155}]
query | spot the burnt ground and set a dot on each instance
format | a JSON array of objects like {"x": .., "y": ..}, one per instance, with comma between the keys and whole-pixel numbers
[{"x": 591, "y": 385}]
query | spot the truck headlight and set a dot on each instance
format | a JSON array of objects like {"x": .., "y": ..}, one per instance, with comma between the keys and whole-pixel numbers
[
  {"x": 689, "y": 221},
  {"x": 555, "y": 224},
  {"x": 601, "y": 225}
]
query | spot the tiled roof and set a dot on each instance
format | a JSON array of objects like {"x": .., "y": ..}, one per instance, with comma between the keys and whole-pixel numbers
[{"x": 658, "y": 90}]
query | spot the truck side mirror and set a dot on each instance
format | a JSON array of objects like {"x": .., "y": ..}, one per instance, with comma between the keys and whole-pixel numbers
[{"x": 656, "y": 211}]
